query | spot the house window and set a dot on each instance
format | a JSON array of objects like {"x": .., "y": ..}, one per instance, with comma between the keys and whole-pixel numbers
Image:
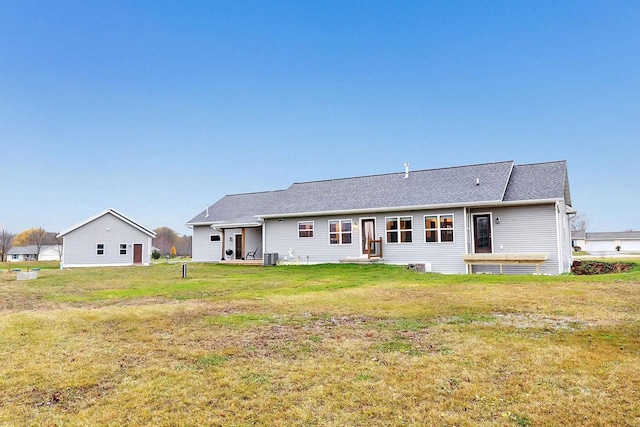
[
  {"x": 305, "y": 229},
  {"x": 14, "y": 256},
  {"x": 100, "y": 249},
  {"x": 214, "y": 237},
  {"x": 438, "y": 228},
  {"x": 123, "y": 248},
  {"x": 399, "y": 229},
  {"x": 340, "y": 232}
]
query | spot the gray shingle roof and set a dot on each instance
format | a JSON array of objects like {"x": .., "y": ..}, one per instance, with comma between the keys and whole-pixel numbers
[
  {"x": 500, "y": 181},
  {"x": 422, "y": 188},
  {"x": 613, "y": 235},
  {"x": 539, "y": 181},
  {"x": 28, "y": 250}
]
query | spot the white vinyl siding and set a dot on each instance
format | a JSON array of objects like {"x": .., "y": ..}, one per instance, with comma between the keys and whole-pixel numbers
[
  {"x": 282, "y": 237},
  {"x": 202, "y": 247},
  {"x": 81, "y": 246},
  {"x": 523, "y": 229}
]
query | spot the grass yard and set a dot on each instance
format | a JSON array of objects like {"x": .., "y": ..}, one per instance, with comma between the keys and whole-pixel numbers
[{"x": 317, "y": 345}]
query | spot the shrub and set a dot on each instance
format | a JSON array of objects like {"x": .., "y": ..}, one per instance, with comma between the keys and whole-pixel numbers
[
  {"x": 156, "y": 254},
  {"x": 598, "y": 267}
]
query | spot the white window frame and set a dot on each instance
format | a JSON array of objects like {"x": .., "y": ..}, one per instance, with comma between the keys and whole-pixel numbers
[
  {"x": 340, "y": 232},
  {"x": 312, "y": 229},
  {"x": 398, "y": 230},
  {"x": 211, "y": 236},
  {"x": 98, "y": 249},
  {"x": 123, "y": 247},
  {"x": 439, "y": 229}
]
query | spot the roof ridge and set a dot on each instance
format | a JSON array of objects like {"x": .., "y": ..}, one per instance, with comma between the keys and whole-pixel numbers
[
  {"x": 252, "y": 192},
  {"x": 543, "y": 163},
  {"x": 401, "y": 172}
]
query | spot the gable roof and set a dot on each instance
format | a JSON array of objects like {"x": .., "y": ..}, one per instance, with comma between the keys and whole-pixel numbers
[
  {"x": 471, "y": 185},
  {"x": 114, "y": 213},
  {"x": 610, "y": 235},
  {"x": 539, "y": 181},
  {"x": 29, "y": 249}
]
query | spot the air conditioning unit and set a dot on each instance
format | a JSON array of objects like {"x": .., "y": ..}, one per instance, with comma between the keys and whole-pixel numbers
[{"x": 270, "y": 259}]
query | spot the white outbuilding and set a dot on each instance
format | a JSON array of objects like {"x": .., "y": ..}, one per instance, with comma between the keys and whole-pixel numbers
[{"x": 108, "y": 238}]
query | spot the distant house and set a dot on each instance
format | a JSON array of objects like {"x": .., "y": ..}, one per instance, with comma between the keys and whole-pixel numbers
[
  {"x": 609, "y": 241},
  {"x": 106, "y": 239},
  {"x": 30, "y": 253},
  {"x": 494, "y": 217}
]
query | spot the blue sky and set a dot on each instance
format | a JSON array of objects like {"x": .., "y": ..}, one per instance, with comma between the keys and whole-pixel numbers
[{"x": 159, "y": 108}]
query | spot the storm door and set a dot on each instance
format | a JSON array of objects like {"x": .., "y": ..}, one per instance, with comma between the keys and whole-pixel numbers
[{"x": 482, "y": 234}]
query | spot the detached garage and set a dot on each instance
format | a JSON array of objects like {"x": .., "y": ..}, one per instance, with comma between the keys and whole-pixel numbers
[{"x": 106, "y": 239}]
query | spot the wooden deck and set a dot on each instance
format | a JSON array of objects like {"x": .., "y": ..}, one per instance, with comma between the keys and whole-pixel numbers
[
  {"x": 506, "y": 258},
  {"x": 242, "y": 262}
]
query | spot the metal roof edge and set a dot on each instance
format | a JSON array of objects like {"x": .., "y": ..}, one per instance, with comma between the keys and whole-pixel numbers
[
  {"x": 377, "y": 210},
  {"x": 115, "y": 213},
  {"x": 237, "y": 225},
  {"x": 506, "y": 184}
]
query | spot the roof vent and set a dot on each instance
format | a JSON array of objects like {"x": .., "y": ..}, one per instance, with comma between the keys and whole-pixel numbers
[
  {"x": 477, "y": 181},
  {"x": 406, "y": 169}
]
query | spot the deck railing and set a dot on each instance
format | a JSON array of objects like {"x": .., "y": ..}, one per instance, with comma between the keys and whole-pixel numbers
[{"x": 374, "y": 248}]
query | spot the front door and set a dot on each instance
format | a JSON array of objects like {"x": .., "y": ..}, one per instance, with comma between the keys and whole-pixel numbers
[
  {"x": 137, "y": 253},
  {"x": 368, "y": 227},
  {"x": 238, "y": 246},
  {"x": 482, "y": 234}
]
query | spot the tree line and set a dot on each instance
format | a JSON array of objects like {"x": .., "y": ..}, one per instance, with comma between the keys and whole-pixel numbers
[
  {"x": 36, "y": 236},
  {"x": 169, "y": 242}
]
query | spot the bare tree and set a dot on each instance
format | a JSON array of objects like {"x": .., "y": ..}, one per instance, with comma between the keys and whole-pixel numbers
[
  {"x": 579, "y": 223},
  {"x": 6, "y": 243},
  {"x": 183, "y": 245},
  {"x": 165, "y": 238},
  {"x": 36, "y": 238},
  {"x": 59, "y": 241}
]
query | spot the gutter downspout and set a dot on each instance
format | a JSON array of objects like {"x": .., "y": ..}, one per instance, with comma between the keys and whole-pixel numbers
[
  {"x": 264, "y": 237},
  {"x": 466, "y": 236},
  {"x": 558, "y": 240}
]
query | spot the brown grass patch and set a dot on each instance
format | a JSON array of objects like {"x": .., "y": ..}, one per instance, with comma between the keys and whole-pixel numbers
[{"x": 409, "y": 349}]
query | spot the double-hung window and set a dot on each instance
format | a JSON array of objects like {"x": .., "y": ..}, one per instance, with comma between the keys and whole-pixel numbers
[
  {"x": 123, "y": 248},
  {"x": 305, "y": 229},
  {"x": 99, "y": 248},
  {"x": 438, "y": 228},
  {"x": 399, "y": 229},
  {"x": 340, "y": 232}
]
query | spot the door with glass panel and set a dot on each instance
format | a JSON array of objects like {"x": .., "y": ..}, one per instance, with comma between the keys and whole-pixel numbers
[
  {"x": 368, "y": 227},
  {"x": 482, "y": 234}
]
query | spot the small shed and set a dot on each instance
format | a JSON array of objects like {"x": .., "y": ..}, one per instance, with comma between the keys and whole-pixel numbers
[{"x": 108, "y": 238}]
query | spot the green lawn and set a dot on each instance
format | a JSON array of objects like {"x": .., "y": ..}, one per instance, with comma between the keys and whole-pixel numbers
[{"x": 317, "y": 345}]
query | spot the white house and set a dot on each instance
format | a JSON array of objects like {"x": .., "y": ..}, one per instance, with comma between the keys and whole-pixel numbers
[
  {"x": 106, "y": 239},
  {"x": 607, "y": 242},
  {"x": 30, "y": 253},
  {"x": 493, "y": 217}
]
